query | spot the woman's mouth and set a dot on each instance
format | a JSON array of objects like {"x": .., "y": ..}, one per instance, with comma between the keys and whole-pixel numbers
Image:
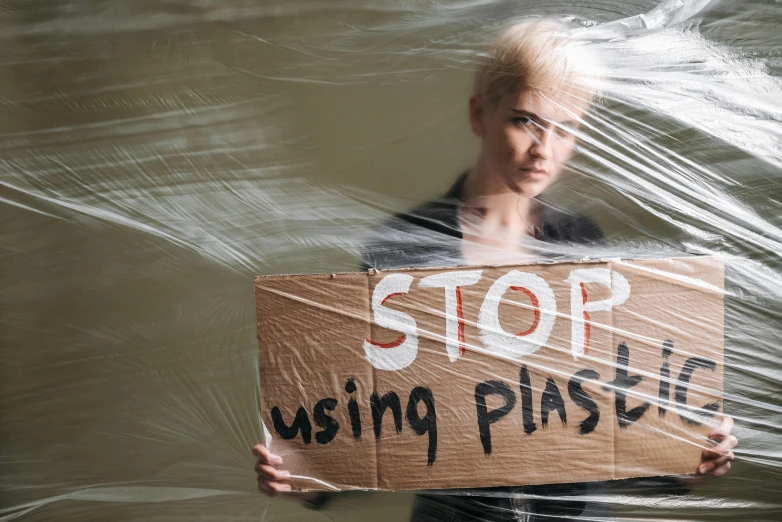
[{"x": 533, "y": 172}]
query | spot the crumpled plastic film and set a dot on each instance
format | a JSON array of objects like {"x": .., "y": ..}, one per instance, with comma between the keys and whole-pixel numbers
[{"x": 157, "y": 156}]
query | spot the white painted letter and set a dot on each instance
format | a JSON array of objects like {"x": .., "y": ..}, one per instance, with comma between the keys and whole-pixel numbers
[
  {"x": 402, "y": 352},
  {"x": 543, "y": 303},
  {"x": 580, "y": 306},
  {"x": 454, "y": 320}
]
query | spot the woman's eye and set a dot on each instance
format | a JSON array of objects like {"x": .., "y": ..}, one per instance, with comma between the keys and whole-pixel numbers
[{"x": 522, "y": 120}]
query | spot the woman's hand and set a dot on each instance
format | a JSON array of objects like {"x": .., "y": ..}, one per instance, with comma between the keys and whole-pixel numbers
[
  {"x": 272, "y": 479},
  {"x": 715, "y": 461}
]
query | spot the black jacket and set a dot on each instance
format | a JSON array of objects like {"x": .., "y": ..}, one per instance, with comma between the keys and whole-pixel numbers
[{"x": 430, "y": 235}]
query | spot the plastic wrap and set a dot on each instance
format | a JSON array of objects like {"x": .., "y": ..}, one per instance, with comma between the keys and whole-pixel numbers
[{"x": 157, "y": 156}]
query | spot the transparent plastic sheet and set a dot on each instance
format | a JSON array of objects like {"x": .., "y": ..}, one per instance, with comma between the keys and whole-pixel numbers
[{"x": 158, "y": 156}]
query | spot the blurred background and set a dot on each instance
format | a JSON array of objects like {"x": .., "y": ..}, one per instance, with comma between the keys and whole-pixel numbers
[{"x": 156, "y": 155}]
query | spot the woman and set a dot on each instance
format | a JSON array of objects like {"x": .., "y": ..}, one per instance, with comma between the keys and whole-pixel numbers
[{"x": 529, "y": 99}]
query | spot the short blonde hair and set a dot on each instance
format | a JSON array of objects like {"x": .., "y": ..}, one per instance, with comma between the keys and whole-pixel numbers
[{"x": 536, "y": 55}]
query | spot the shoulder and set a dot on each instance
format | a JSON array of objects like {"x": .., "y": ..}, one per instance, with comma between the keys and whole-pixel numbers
[
  {"x": 563, "y": 226},
  {"x": 426, "y": 235},
  {"x": 439, "y": 216}
]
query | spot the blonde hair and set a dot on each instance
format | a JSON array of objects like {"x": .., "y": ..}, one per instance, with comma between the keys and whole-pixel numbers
[{"x": 536, "y": 56}]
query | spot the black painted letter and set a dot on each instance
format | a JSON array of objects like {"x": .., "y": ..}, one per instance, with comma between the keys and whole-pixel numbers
[
  {"x": 301, "y": 422},
  {"x": 355, "y": 416},
  {"x": 331, "y": 426},
  {"x": 664, "y": 395},
  {"x": 584, "y": 400},
  {"x": 622, "y": 382},
  {"x": 487, "y": 418},
  {"x": 526, "y": 401},
  {"x": 682, "y": 386},
  {"x": 378, "y": 405},
  {"x": 551, "y": 400},
  {"x": 427, "y": 423}
]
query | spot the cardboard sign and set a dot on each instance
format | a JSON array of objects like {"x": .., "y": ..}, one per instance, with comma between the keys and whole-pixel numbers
[{"x": 491, "y": 376}]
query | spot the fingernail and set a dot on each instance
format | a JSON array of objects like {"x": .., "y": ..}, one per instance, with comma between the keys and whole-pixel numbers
[
  {"x": 283, "y": 475},
  {"x": 704, "y": 469},
  {"x": 285, "y": 488}
]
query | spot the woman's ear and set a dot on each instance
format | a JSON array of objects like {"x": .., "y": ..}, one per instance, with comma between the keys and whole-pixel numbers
[{"x": 477, "y": 115}]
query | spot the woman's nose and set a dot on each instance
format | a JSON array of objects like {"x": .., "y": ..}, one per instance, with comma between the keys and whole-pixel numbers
[{"x": 541, "y": 146}]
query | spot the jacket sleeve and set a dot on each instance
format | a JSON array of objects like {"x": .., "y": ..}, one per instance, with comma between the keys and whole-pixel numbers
[
  {"x": 669, "y": 485},
  {"x": 403, "y": 242},
  {"x": 319, "y": 501},
  {"x": 574, "y": 228},
  {"x": 589, "y": 230}
]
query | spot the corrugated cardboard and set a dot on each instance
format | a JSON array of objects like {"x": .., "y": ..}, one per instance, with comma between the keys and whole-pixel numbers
[{"x": 312, "y": 330}]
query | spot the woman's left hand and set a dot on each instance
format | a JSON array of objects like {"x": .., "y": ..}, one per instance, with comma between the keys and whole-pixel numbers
[{"x": 715, "y": 461}]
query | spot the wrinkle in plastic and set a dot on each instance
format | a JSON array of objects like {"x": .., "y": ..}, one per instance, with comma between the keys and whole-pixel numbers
[{"x": 157, "y": 157}]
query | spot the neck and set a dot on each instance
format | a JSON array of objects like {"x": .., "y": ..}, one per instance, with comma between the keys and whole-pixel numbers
[{"x": 486, "y": 195}]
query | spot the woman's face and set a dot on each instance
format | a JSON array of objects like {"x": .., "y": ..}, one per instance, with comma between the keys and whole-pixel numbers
[{"x": 526, "y": 138}]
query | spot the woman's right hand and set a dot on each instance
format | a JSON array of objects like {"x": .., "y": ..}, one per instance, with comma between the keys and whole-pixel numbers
[{"x": 272, "y": 478}]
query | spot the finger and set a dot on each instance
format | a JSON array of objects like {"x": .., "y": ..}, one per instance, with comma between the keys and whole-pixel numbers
[
  {"x": 709, "y": 467},
  {"x": 732, "y": 441},
  {"x": 264, "y": 488},
  {"x": 724, "y": 428},
  {"x": 710, "y": 470},
  {"x": 723, "y": 448},
  {"x": 260, "y": 451},
  {"x": 720, "y": 471},
  {"x": 270, "y": 473},
  {"x": 274, "y": 488},
  {"x": 266, "y": 456}
]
